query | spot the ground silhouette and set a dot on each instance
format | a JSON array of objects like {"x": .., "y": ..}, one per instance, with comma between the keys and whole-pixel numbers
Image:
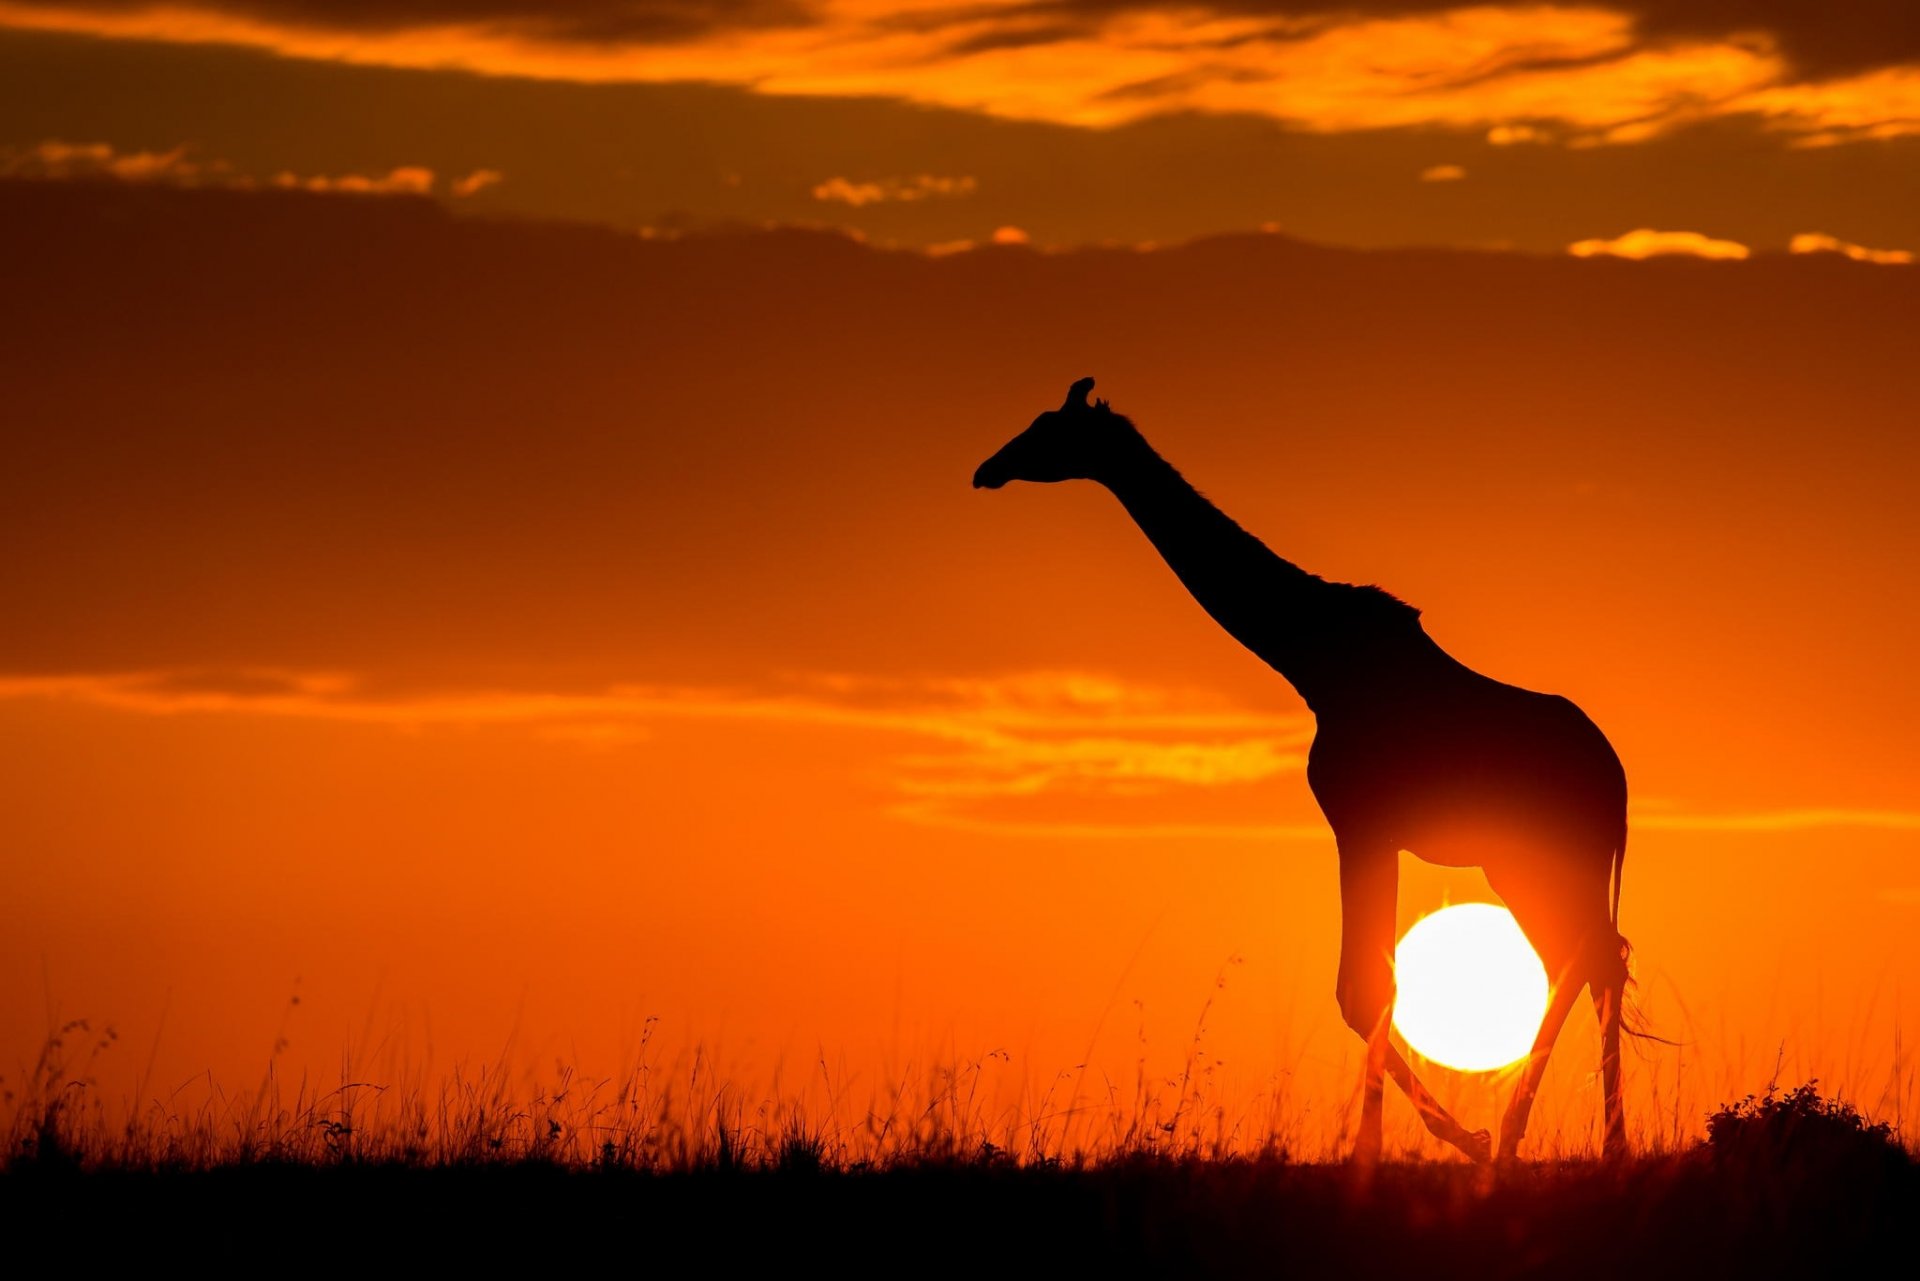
[
  {"x": 1686, "y": 1215},
  {"x": 1413, "y": 751}
]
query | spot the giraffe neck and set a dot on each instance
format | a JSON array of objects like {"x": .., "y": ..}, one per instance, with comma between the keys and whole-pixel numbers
[{"x": 1271, "y": 606}]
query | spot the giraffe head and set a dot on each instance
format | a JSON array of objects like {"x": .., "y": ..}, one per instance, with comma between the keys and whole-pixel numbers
[{"x": 1068, "y": 443}]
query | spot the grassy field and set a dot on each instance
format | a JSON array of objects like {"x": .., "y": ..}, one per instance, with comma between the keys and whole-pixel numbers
[{"x": 1788, "y": 1184}]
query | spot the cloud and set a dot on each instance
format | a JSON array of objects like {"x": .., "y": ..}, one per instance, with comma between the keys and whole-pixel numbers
[
  {"x": 994, "y": 746},
  {"x": 1813, "y": 242},
  {"x": 56, "y": 159},
  {"x": 1080, "y": 830},
  {"x": 1787, "y": 820},
  {"x": 1818, "y": 40},
  {"x": 1875, "y": 33},
  {"x": 1010, "y": 236},
  {"x": 476, "y": 182},
  {"x": 403, "y": 180},
  {"x": 883, "y": 190},
  {"x": 1515, "y": 135},
  {"x": 1587, "y": 71},
  {"x": 1648, "y": 243},
  {"x": 1875, "y": 105},
  {"x": 1618, "y": 72},
  {"x": 1442, "y": 173},
  {"x": 1059, "y": 734},
  {"x": 582, "y": 21}
]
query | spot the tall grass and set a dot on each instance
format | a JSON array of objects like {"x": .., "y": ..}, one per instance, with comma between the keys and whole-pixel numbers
[
  {"x": 678, "y": 1111},
  {"x": 673, "y": 1113}
]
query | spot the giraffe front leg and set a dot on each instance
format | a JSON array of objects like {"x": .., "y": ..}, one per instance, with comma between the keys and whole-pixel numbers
[
  {"x": 1367, "y": 1142},
  {"x": 1477, "y": 1145},
  {"x": 1369, "y": 876}
]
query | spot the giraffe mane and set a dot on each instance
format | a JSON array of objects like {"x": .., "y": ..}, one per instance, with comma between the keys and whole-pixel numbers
[{"x": 1379, "y": 603}]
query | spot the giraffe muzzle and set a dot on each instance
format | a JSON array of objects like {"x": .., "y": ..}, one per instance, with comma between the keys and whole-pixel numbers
[{"x": 991, "y": 474}]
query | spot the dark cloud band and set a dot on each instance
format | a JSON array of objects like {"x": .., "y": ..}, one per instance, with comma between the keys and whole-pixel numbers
[
  {"x": 1820, "y": 39},
  {"x": 638, "y": 21}
]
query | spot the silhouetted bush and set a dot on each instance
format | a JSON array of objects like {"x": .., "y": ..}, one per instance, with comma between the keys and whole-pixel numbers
[{"x": 1800, "y": 1129}]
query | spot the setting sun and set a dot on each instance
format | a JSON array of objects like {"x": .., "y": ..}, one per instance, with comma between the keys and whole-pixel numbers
[{"x": 1471, "y": 989}]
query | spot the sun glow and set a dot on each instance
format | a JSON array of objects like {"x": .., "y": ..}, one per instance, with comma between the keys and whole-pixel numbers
[{"x": 1472, "y": 991}]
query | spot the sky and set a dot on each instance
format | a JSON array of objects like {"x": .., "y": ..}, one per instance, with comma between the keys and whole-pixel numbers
[
  {"x": 1528, "y": 127},
  {"x": 490, "y": 549}
]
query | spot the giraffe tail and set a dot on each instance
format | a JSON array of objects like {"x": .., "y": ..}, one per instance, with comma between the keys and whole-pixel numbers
[
  {"x": 1619, "y": 976},
  {"x": 1611, "y": 970}
]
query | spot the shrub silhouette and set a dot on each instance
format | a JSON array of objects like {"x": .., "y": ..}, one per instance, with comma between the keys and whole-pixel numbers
[{"x": 1802, "y": 1129}]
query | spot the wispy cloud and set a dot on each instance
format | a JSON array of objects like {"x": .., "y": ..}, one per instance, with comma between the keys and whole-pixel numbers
[
  {"x": 925, "y": 186},
  {"x": 1813, "y": 242},
  {"x": 960, "y": 820},
  {"x": 1034, "y": 754},
  {"x": 403, "y": 180},
  {"x": 1878, "y": 104},
  {"x": 54, "y": 159},
  {"x": 1645, "y": 242},
  {"x": 1787, "y": 820},
  {"x": 1517, "y": 135},
  {"x": 1052, "y": 734},
  {"x": 476, "y": 182},
  {"x": 1442, "y": 173}
]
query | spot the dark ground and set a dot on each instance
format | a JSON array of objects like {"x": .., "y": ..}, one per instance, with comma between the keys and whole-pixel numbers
[{"x": 1693, "y": 1216}]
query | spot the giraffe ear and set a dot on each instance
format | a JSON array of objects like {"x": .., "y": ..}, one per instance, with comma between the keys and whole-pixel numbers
[{"x": 1077, "y": 394}]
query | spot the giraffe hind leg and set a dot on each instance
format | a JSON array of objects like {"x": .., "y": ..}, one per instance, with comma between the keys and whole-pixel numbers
[
  {"x": 1609, "y": 995},
  {"x": 1513, "y": 1126},
  {"x": 1561, "y": 900}
]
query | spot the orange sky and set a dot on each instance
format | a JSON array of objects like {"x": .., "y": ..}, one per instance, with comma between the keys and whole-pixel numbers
[{"x": 499, "y": 633}]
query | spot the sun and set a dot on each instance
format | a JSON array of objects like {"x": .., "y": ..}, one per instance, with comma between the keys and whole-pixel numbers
[{"x": 1472, "y": 991}]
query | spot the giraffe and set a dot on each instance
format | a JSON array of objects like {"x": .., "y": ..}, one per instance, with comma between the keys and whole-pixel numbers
[{"x": 1412, "y": 750}]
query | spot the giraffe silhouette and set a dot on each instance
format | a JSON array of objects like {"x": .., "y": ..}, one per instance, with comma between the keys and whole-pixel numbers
[{"x": 1413, "y": 750}]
